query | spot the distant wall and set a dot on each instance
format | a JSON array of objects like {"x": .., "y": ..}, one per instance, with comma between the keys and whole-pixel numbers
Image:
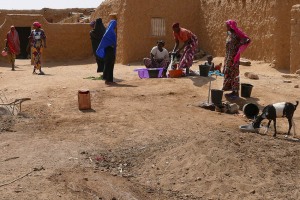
[
  {"x": 51, "y": 15},
  {"x": 114, "y": 9},
  {"x": 64, "y": 41},
  {"x": 137, "y": 30},
  {"x": 134, "y": 23}
]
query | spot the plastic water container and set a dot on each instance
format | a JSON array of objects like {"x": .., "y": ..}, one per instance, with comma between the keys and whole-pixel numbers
[
  {"x": 84, "y": 100},
  {"x": 149, "y": 72}
]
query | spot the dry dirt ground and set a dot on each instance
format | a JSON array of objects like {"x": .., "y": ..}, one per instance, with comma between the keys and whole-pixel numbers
[{"x": 143, "y": 139}]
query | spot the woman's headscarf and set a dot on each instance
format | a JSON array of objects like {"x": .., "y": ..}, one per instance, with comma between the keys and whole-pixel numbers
[
  {"x": 13, "y": 41},
  {"x": 109, "y": 39},
  {"x": 37, "y": 24},
  {"x": 233, "y": 25},
  {"x": 176, "y": 25},
  {"x": 99, "y": 30},
  {"x": 97, "y": 33}
]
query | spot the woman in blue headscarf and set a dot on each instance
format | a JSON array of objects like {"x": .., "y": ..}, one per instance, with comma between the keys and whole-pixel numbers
[{"x": 107, "y": 51}]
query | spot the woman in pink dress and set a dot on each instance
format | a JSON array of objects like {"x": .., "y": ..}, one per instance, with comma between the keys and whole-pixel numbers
[
  {"x": 236, "y": 42},
  {"x": 12, "y": 46}
]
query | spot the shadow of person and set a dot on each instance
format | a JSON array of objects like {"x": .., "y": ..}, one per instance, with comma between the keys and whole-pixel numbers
[
  {"x": 44, "y": 74},
  {"x": 18, "y": 69},
  {"x": 88, "y": 110},
  {"x": 118, "y": 80},
  {"x": 120, "y": 85}
]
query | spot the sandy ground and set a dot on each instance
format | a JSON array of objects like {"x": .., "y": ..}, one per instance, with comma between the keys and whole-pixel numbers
[{"x": 143, "y": 139}]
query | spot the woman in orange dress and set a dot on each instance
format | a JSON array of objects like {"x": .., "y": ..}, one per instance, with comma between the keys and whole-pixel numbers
[{"x": 189, "y": 47}]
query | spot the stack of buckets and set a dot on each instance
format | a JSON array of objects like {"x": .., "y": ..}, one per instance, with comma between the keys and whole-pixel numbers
[{"x": 216, "y": 95}]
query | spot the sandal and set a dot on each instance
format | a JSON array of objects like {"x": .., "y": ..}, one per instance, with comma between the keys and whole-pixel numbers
[{"x": 233, "y": 97}]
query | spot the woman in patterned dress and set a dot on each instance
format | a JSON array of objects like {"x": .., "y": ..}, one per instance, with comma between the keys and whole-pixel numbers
[
  {"x": 190, "y": 43},
  {"x": 37, "y": 40},
  {"x": 236, "y": 43}
]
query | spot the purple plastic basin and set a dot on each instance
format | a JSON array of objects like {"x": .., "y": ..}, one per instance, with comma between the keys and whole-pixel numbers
[{"x": 144, "y": 72}]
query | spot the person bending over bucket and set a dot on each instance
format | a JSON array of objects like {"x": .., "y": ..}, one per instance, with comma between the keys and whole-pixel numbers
[{"x": 190, "y": 43}]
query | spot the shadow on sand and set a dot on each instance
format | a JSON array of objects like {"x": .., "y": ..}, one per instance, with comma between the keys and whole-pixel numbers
[
  {"x": 199, "y": 81},
  {"x": 116, "y": 84},
  {"x": 88, "y": 111}
]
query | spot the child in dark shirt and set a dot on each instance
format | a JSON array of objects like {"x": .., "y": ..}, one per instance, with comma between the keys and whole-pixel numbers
[{"x": 210, "y": 63}]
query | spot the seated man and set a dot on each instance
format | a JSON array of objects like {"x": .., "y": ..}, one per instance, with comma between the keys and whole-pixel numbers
[{"x": 159, "y": 57}]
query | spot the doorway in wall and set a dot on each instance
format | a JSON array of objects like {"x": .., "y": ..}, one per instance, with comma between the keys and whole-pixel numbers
[{"x": 24, "y": 33}]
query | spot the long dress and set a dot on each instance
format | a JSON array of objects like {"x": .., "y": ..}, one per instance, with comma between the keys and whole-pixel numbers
[
  {"x": 186, "y": 60},
  {"x": 231, "y": 68},
  {"x": 96, "y": 36},
  {"x": 107, "y": 51},
  {"x": 37, "y": 37},
  {"x": 13, "y": 45}
]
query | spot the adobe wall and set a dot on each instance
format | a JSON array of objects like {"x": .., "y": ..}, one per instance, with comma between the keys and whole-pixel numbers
[
  {"x": 105, "y": 11},
  {"x": 134, "y": 23},
  {"x": 203, "y": 17},
  {"x": 256, "y": 18},
  {"x": 51, "y": 15},
  {"x": 283, "y": 33},
  {"x": 295, "y": 38},
  {"x": 267, "y": 22},
  {"x": 137, "y": 30},
  {"x": 64, "y": 41}
]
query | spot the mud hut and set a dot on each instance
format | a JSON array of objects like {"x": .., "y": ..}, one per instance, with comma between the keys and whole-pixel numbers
[
  {"x": 65, "y": 41},
  {"x": 142, "y": 23}
]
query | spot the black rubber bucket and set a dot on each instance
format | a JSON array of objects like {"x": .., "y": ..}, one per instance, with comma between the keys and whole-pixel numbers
[
  {"x": 250, "y": 110},
  {"x": 204, "y": 69},
  {"x": 153, "y": 73},
  {"x": 246, "y": 90},
  {"x": 216, "y": 96}
]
